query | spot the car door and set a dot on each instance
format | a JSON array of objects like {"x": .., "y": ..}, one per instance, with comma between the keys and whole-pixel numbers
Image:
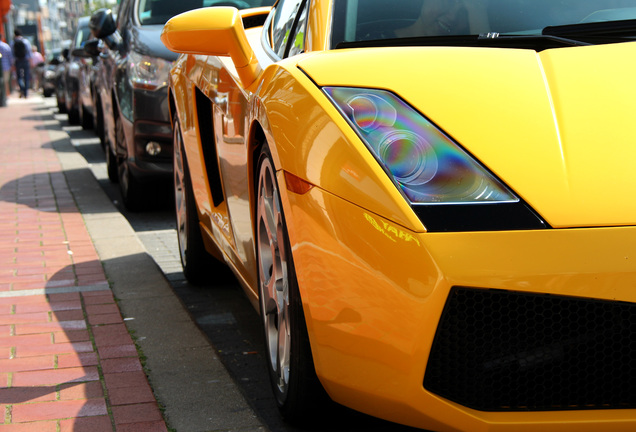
[{"x": 231, "y": 116}]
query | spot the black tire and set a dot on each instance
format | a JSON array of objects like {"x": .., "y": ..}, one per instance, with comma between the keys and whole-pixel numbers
[
  {"x": 99, "y": 121},
  {"x": 61, "y": 106},
  {"x": 85, "y": 118},
  {"x": 298, "y": 392},
  {"x": 197, "y": 263},
  {"x": 111, "y": 164},
  {"x": 73, "y": 116},
  {"x": 132, "y": 192}
]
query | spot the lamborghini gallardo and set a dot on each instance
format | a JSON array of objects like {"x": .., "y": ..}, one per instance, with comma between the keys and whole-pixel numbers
[{"x": 430, "y": 203}]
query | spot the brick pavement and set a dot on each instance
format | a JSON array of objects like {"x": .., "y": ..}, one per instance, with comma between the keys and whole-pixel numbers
[{"x": 67, "y": 361}]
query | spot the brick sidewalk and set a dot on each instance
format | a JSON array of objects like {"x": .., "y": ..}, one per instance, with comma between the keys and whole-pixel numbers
[{"x": 67, "y": 362}]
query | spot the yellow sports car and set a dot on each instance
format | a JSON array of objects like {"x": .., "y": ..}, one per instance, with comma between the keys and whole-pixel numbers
[{"x": 430, "y": 202}]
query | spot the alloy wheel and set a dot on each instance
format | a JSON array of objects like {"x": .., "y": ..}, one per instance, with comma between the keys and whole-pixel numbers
[
  {"x": 274, "y": 278},
  {"x": 180, "y": 195}
]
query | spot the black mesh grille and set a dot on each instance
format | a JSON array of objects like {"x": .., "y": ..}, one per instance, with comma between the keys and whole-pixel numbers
[{"x": 507, "y": 351}]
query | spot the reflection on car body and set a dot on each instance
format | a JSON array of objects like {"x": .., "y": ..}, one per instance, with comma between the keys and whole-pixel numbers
[
  {"x": 49, "y": 75},
  {"x": 427, "y": 201}
]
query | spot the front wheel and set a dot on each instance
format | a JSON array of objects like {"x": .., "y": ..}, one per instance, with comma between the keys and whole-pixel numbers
[
  {"x": 132, "y": 192},
  {"x": 85, "y": 118},
  {"x": 294, "y": 382},
  {"x": 98, "y": 120},
  {"x": 196, "y": 262}
]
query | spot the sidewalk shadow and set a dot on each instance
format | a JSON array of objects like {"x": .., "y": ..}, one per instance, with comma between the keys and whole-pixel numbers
[
  {"x": 57, "y": 145},
  {"x": 52, "y": 192},
  {"x": 75, "y": 352}
]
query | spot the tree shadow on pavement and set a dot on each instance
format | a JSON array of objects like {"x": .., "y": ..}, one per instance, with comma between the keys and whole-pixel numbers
[
  {"x": 55, "y": 363},
  {"x": 49, "y": 191}
]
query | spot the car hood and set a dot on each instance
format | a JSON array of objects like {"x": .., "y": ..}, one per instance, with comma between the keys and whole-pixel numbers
[
  {"x": 147, "y": 41},
  {"x": 556, "y": 126}
]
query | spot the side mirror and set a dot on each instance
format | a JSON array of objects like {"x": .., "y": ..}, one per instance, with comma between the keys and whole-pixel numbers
[
  {"x": 92, "y": 48},
  {"x": 216, "y": 31},
  {"x": 80, "y": 52},
  {"x": 102, "y": 23}
]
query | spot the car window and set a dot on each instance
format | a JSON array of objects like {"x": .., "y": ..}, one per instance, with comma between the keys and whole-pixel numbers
[
  {"x": 297, "y": 40},
  {"x": 83, "y": 34},
  {"x": 360, "y": 20},
  {"x": 160, "y": 11},
  {"x": 284, "y": 16}
]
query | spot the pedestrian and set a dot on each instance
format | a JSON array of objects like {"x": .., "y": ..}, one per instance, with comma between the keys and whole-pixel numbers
[
  {"x": 7, "y": 64},
  {"x": 22, "y": 61},
  {"x": 37, "y": 64}
]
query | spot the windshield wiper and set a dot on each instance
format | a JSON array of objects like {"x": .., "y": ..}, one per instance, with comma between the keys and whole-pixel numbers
[
  {"x": 539, "y": 41},
  {"x": 491, "y": 40},
  {"x": 613, "y": 30}
]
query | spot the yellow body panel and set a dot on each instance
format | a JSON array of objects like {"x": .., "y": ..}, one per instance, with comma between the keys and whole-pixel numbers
[
  {"x": 553, "y": 125},
  {"x": 374, "y": 291},
  {"x": 373, "y": 281}
]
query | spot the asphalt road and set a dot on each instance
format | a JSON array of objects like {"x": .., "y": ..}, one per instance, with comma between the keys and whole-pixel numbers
[{"x": 221, "y": 310}]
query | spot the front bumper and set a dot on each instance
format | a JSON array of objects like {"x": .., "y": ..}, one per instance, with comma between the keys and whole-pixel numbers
[
  {"x": 151, "y": 124},
  {"x": 375, "y": 293}
]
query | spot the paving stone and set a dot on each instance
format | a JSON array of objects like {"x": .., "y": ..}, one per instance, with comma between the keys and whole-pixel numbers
[{"x": 58, "y": 410}]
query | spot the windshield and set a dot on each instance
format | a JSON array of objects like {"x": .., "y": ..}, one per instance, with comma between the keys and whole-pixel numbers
[
  {"x": 160, "y": 11},
  {"x": 363, "y": 20},
  {"x": 83, "y": 34}
]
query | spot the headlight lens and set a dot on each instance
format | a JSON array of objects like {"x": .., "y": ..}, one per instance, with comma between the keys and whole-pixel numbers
[
  {"x": 427, "y": 165},
  {"x": 148, "y": 73},
  {"x": 73, "y": 69}
]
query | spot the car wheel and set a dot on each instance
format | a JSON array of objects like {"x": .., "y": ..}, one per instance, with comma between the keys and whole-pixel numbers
[
  {"x": 85, "y": 118},
  {"x": 99, "y": 121},
  {"x": 195, "y": 260},
  {"x": 73, "y": 116},
  {"x": 132, "y": 193},
  {"x": 111, "y": 164},
  {"x": 296, "y": 387},
  {"x": 61, "y": 105}
]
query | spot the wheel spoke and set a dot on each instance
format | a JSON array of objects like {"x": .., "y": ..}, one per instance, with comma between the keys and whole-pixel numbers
[
  {"x": 180, "y": 195},
  {"x": 273, "y": 275}
]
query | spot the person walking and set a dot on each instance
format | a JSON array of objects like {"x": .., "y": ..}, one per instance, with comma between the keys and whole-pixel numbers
[
  {"x": 22, "y": 61},
  {"x": 37, "y": 64},
  {"x": 7, "y": 64}
]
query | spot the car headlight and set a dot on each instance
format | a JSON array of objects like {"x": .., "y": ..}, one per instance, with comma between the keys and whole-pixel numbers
[
  {"x": 148, "y": 73},
  {"x": 73, "y": 69},
  {"x": 447, "y": 188},
  {"x": 427, "y": 165}
]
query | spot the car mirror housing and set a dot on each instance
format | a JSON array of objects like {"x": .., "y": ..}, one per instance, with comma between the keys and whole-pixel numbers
[
  {"x": 92, "y": 48},
  {"x": 80, "y": 52},
  {"x": 102, "y": 23},
  {"x": 214, "y": 31}
]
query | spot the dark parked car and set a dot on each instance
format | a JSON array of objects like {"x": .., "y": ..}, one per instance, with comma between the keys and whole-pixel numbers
[
  {"x": 49, "y": 75},
  {"x": 88, "y": 71},
  {"x": 93, "y": 78},
  {"x": 60, "y": 80},
  {"x": 77, "y": 112},
  {"x": 133, "y": 97}
]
